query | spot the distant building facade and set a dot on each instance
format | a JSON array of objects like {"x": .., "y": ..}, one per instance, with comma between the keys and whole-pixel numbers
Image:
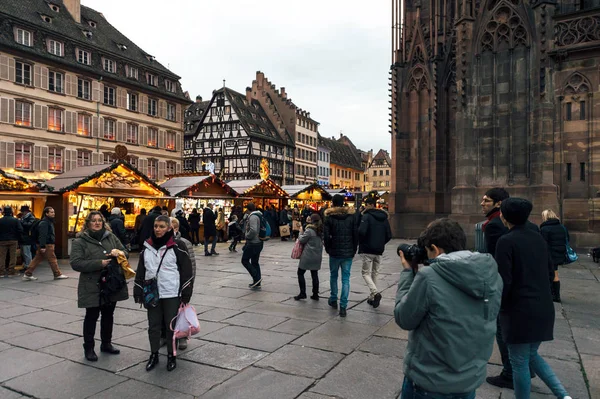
[
  {"x": 323, "y": 165},
  {"x": 379, "y": 172},
  {"x": 347, "y": 170}
]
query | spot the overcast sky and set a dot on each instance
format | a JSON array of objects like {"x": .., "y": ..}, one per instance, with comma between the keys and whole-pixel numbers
[{"x": 332, "y": 56}]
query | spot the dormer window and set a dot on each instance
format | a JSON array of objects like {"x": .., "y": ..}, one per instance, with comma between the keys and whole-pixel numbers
[
  {"x": 23, "y": 37},
  {"x": 109, "y": 65},
  {"x": 55, "y": 47},
  {"x": 132, "y": 72},
  {"x": 122, "y": 47},
  {"x": 54, "y": 7},
  {"x": 46, "y": 18},
  {"x": 152, "y": 79},
  {"x": 84, "y": 57},
  {"x": 88, "y": 34},
  {"x": 170, "y": 86},
  {"x": 150, "y": 58},
  {"x": 92, "y": 24}
]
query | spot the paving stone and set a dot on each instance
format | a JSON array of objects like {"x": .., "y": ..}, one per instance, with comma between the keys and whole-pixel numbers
[
  {"x": 295, "y": 327},
  {"x": 39, "y": 339},
  {"x": 190, "y": 378},
  {"x": 559, "y": 349},
  {"x": 370, "y": 318},
  {"x": 300, "y": 360},
  {"x": 337, "y": 336},
  {"x": 576, "y": 319},
  {"x": 221, "y": 302},
  {"x": 587, "y": 340},
  {"x": 569, "y": 373},
  {"x": 140, "y": 341},
  {"x": 68, "y": 380},
  {"x": 255, "y": 383},
  {"x": 591, "y": 364},
  {"x": 16, "y": 311},
  {"x": 578, "y": 274},
  {"x": 12, "y": 329},
  {"x": 311, "y": 304},
  {"x": 255, "y": 320},
  {"x": 4, "y": 346},
  {"x": 18, "y": 361},
  {"x": 13, "y": 296},
  {"x": 562, "y": 330},
  {"x": 386, "y": 308},
  {"x": 228, "y": 292},
  {"x": 7, "y": 394},
  {"x": 347, "y": 379},
  {"x": 292, "y": 312},
  {"x": 73, "y": 350},
  {"x": 266, "y": 296},
  {"x": 40, "y": 301},
  {"x": 250, "y": 338},
  {"x": 137, "y": 389},
  {"x": 128, "y": 317},
  {"x": 312, "y": 395},
  {"x": 224, "y": 356},
  {"x": 47, "y": 318},
  {"x": 69, "y": 307},
  {"x": 218, "y": 314},
  {"x": 384, "y": 346}
]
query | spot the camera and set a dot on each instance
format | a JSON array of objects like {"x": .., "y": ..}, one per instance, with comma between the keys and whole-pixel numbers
[{"x": 413, "y": 253}]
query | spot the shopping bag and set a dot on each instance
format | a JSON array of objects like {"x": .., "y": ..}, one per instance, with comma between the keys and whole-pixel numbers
[
  {"x": 297, "y": 250},
  {"x": 296, "y": 225},
  {"x": 284, "y": 230},
  {"x": 186, "y": 324}
]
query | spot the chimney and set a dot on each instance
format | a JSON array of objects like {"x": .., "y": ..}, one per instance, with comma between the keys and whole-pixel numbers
[
  {"x": 260, "y": 77},
  {"x": 249, "y": 94},
  {"x": 198, "y": 99},
  {"x": 74, "y": 7},
  {"x": 283, "y": 93}
]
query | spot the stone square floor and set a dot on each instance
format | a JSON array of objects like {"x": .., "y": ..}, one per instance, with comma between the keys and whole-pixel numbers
[{"x": 259, "y": 344}]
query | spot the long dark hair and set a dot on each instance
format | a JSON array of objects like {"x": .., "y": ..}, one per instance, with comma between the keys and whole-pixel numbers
[{"x": 318, "y": 227}]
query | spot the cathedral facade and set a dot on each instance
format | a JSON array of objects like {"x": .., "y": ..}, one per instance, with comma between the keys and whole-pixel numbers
[{"x": 489, "y": 93}]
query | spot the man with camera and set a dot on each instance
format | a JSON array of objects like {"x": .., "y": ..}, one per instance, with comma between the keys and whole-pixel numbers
[{"x": 450, "y": 308}]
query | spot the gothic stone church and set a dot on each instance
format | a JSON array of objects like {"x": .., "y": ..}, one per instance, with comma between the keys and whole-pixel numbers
[{"x": 492, "y": 93}]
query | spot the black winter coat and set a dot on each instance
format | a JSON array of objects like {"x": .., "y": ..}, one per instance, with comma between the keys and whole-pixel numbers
[
  {"x": 556, "y": 236},
  {"x": 46, "y": 234},
  {"x": 10, "y": 228},
  {"x": 527, "y": 311},
  {"x": 283, "y": 217},
  {"x": 27, "y": 221},
  {"x": 147, "y": 227},
  {"x": 340, "y": 233},
  {"x": 118, "y": 228},
  {"x": 184, "y": 226},
  {"x": 194, "y": 221},
  {"x": 374, "y": 232},
  {"x": 493, "y": 231},
  {"x": 209, "y": 218}
]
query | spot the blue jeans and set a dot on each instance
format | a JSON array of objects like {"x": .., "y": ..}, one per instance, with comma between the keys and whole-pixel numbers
[
  {"x": 26, "y": 254},
  {"x": 334, "y": 266},
  {"x": 411, "y": 391},
  {"x": 523, "y": 356}
]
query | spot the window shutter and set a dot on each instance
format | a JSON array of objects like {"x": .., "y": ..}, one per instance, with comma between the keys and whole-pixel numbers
[
  {"x": 178, "y": 142},
  {"x": 68, "y": 88},
  {"x": 96, "y": 158},
  {"x": 4, "y": 110},
  {"x": 3, "y": 162},
  {"x": 11, "y": 69},
  {"x": 178, "y": 113},
  {"x": 162, "y": 165},
  {"x": 120, "y": 131},
  {"x": 37, "y": 76},
  {"x": 10, "y": 155},
  {"x": 44, "y": 158},
  {"x": 74, "y": 85},
  {"x": 95, "y": 91},
  {"x": 44, "y": 117},
  {"x": 95, "y": 132},
  {"x": 143, "y": 166},
  {"x": 44, "y": 78},
  {"x": 67, "y": 160},
  {"x": 11, "y": 111},
  {"x": 178, "y": 167},
  {"x": 161, "y": 139},
  {"x": 143, "y": 135},
  {"x": 73, "y": 158},
  {"x": 162, "y": 109},
  {"x": 120, "y": 103},
  {"x": 143, "y": 104},
  {"x": 100, "y": 127},
  {"x": 37, "y": 116},
  {"x": 3, "y": 67},
  {"x": 68, "y": 122}
]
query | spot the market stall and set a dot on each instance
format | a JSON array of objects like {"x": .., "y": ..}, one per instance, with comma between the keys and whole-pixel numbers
[
  {"x": 16, "y": 191},
  {"x": 87, "y": 188},
  {"x": 313, "y": 195},
  {"x": 262, "y": 192}
]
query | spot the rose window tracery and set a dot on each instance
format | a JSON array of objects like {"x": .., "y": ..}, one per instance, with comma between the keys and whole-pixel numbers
[
  {"x": 575, "y": 31},
  {"x": 577, "y": 84},
  {"x": 418, "y": 80}
]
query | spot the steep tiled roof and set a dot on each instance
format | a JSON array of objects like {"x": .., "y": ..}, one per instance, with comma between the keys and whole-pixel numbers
[
  {"x": 194, "y": 115},
  {"x": 103, "y": 41},
  {"x": 382, "y": 155},
  {"x": 342, "y": 154}
]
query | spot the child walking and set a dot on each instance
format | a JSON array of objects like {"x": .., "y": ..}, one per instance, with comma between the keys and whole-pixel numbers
[
  {"x": 312, "y": 255},
  {"x": 235, "y": 233}
]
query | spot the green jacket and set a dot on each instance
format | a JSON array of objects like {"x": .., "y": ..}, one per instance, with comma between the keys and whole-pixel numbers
[
  {"x": 450, "y": 309},
  {"x": 87, "y": 255}
]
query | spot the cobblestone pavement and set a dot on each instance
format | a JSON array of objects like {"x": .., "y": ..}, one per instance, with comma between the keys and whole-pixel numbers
[{"x": 259, "y": 344}]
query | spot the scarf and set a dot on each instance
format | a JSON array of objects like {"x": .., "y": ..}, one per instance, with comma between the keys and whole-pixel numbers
[
  {"x": 493, "y": 214},
  {"x": 97, "y": 235},
  {"x": 158, "y": 242}
]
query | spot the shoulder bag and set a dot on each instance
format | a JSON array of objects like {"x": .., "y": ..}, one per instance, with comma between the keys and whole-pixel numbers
[
  {"x": 570, "y": 255},
  {"x": 151, "y": 294}
]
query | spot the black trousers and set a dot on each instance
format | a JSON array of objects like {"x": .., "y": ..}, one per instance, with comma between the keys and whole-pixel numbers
[
  {"x": 194, "y": 236},
  {"x": 163, "y": 313},
  {"x": 106, "y": 323},
  {"x": 250, "y": 259},
  {"x": 302, "y": 281}
]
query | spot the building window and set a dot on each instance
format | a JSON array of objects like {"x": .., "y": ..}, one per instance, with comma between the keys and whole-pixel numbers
[
  {"x": 84, "y": 158},
  {"x": 132, "y": 72},
  {"x": 132, "y": 134},
  {"x": 171, "y": 166},
  {"x": 55, "y": 119},
  {"x": 152, "y": 168},
  {"x": 84, "y": 57},
  {"x": 582, "y": 110},
  {"x": 83, "y": 124},
  {"x": 23, "y": 37},
  {"x": 151, "y": 79},
  {"x": 568, "y": 172},
  {"x": 170, "y": 111},
  {"x": 152, "y": 137},
  {"x": 55, "y": 47},
  {"x": 55, "y": 81},
  {"x": 374, "y": 173},
  {"x": 23, "y": 155},
  {"x": 109, "y": 129},
  {"x": 582, "y": 171},
  {"x": 83, "y": 88},
  {"x": 187, "y": 164},
  {"x": 110, "y": 95},
  {"x": 23, "y": 74},
  {"x": 170, "y": 144},
  {"x": 133, "y": 161},
  {"x": 568, "y": 111},
  {"x": 152, "y": 107},
  {"x": 55, "y": 160},
  {"x": 170, "y": 86},
  {"x": 109, "y": 157},
  {"x": 387, "y": 172},
  {"x": 132, "y": 100},
  {"x": 110, "y": 65},
  {"x": 381, "y": 173},
  {"x": 22, "y": 113}
]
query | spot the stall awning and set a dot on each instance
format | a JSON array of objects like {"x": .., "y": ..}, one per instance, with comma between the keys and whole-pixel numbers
[
  {"x": 311, "y": 192},
  {"x": 12, "y": 182},
  {"x": 196, "y": 185},
  {"x": 258, "y": 188}
]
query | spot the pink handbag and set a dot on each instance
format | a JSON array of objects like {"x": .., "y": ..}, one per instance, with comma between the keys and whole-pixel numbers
[
  {"x": 297, "y": 251},
  {"x": 186, "y": 324}
]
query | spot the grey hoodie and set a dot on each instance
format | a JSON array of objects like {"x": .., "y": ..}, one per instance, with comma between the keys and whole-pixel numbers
[
  {"x": 253, "y": 228},
  {"x": 450, "y": 309}
]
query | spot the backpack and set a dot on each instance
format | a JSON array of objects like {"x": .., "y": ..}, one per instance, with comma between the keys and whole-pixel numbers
[
  {"x": 34, "y": 230},
  {"x": 265, "y": 228},
  {"x": 111, "y": 281}
]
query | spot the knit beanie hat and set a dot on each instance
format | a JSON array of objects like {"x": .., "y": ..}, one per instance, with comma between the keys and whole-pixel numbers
[
  {"x": 338, "y": 200},
  {"x": 516, "y": 210},
  {"x": 315, "y": 217}
]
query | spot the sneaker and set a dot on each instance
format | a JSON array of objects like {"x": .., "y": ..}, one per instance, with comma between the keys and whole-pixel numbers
[
  {"x": 342, "y": 312},
  {"x": 256, "y": 283},
  {"x": 370, "y": 301},
  {"x": 376, "y": 300},
  {"x": 567, "y": 397},
  {"x": 29, "y": 278},
  {"x": 61, "y": 277},
  {"x": 500, "y": 381}
]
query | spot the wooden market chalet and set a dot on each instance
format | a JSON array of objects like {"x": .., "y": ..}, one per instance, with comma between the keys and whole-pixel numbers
[{"x": 235, "y": 134}]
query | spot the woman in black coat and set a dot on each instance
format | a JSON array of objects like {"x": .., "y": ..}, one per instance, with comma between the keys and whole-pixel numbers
[
  {"x": 556, "y": 236},
  {"x": 194, "y": 221}
]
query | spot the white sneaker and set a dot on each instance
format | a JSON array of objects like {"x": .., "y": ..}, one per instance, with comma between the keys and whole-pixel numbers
[
  {"x": 61, "y": 277},
  {"x": 567, "y": 397},
  {"x": 29, "y": 278}
]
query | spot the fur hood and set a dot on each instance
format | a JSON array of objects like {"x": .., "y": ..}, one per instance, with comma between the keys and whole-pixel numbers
[{"x": 340, "y": 210}]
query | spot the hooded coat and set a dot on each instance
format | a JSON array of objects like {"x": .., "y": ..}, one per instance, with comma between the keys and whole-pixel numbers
[
  {"x": 340, "y": 232},
  {"x": 118, "y": 228},
  {"x": 374, "y": 231},
  {"x": 209, "y": 218},
  {"x": 86, "y": 257},
  {"x": 450, "y": 309},
  {"x": 556, "y": 236},
  {"x": 312, "y": 254}
]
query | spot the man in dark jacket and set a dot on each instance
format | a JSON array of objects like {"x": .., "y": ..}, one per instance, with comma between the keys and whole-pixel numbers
[
  {"x": 210, "y": 230},
  {"x": 10, "y": 234},
  {"x": 148, "y": 225},
  {"x": 184, "y": 225},
  {"x": 118, "y": 226},
  {"x": 340, "y": 235},
  {"x": 493, "y": 229},
  {"x": 27, "y": 221},
  {"x": 527, "y": 311},
  {"x": 284, "y": 219},
  {"x": 373, "y": 233},
  {"x": 46, "y": 239}
]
